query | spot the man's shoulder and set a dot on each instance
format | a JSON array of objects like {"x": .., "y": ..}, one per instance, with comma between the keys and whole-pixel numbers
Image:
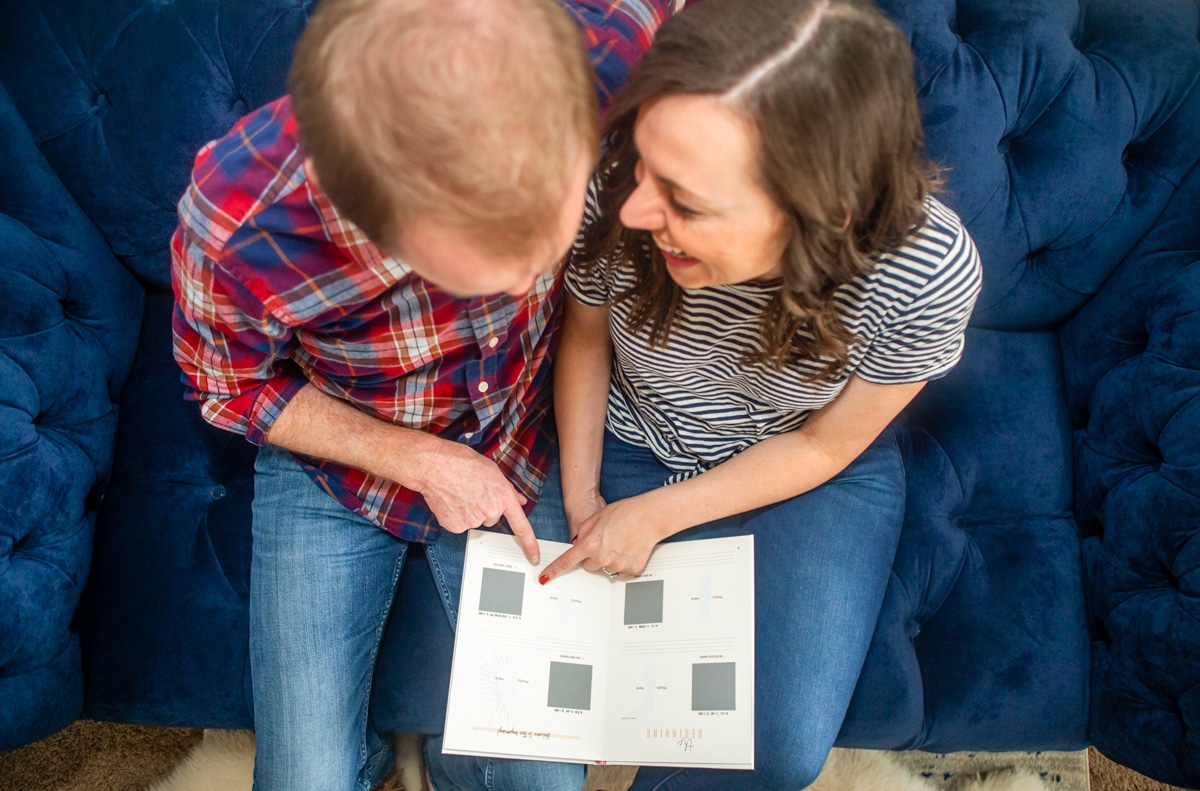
[{"x": 255, "y": 166}]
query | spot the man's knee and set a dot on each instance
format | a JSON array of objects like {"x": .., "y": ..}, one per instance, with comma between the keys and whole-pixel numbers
[
  {"x": 516, "y": 775},
  {"x": 306, "y": 758}
]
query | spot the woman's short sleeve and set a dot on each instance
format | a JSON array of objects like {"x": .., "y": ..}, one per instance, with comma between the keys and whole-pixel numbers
[
  {"x": 924, "y": 339},
  {"x": 587, "y": 278}
]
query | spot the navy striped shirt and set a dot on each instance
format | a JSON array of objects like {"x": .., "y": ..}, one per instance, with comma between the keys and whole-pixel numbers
[{"x": 695, "y": 402}]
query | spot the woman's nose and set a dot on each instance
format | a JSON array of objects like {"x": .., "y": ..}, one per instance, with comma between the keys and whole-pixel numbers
[{"x": 643, "y": 208}]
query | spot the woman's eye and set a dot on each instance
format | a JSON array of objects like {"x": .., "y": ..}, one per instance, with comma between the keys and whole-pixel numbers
[{"x": 683, "y": 211}]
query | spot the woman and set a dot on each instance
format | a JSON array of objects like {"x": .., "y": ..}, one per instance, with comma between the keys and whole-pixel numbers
[{"x": 763, "y": 283}]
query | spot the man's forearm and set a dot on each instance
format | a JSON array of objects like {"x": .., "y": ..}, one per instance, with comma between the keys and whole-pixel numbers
[
  {"x": 463, "y": 488},
  {"x": 319, "y": 425}
]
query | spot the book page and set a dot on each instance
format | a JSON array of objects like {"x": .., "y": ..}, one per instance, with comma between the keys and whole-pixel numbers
[
  {"x": 681, "y": 663},
  {"x": 657, "y": 670},
  {"x": 529, "y": 660}
]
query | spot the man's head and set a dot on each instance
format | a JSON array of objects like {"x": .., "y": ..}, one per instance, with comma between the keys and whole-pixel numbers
[{"x": 458, "y": 134}]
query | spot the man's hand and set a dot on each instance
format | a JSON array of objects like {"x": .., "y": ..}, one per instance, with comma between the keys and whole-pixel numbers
[{"x": 465, "y": 489}]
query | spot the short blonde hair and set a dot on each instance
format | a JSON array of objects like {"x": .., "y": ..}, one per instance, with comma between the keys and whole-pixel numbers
[{"x": 474, "y": 113}]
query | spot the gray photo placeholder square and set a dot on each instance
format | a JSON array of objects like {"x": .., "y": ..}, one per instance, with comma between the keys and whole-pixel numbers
[
  {"x": 643, "y": 602},
  {"x": 502, "y": 591},
  {"x": 713, "y": 687},
  {"x": 570, "y": 686}
]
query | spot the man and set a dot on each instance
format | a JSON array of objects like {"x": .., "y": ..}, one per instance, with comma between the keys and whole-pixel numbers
[{"x": 365, "y": 277}]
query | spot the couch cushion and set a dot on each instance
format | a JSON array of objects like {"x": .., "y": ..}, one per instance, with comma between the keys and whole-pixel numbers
[
  {"x": 982, "y": 642},
  {"x": 67, "y": 332},
  {"x": 164, "y": 622}
]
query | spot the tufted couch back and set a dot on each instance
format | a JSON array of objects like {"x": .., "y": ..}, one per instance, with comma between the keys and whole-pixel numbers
[
  {"x": 1068, "y": 126},
  {"x": 1045, "y": 592}
]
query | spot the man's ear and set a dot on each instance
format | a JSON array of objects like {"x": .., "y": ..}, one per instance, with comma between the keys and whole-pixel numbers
[{"x": 310, "y": 172}]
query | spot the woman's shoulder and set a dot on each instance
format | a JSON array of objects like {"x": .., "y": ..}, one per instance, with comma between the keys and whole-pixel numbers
[
  {"x": 941, "y": 231},
  {"x": 936, "y": 261},
  {"x": 937, "y": 246}
]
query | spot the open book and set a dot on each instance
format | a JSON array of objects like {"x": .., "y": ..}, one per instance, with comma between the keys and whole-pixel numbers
[{"x": 653, "y": 671}]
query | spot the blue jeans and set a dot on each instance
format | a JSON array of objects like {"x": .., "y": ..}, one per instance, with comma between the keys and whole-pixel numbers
[
  {"x": 822, "y": 562},
  {"x": 322, "y": 582}
]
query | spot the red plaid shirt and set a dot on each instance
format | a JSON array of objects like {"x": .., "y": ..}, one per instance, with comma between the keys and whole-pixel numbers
[{"x": 275, "y": 290}]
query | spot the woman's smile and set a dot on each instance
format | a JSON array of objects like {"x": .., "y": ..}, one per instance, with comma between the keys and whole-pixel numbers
[{"x": 674, "y": 256}]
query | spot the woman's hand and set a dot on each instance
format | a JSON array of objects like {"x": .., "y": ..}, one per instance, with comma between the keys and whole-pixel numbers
[
  {"x": 617, "y": 539},
  {"x": 580, "y": 509}
]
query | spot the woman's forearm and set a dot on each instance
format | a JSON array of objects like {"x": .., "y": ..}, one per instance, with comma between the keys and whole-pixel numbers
[
  {"x": 785, "y": 465},
  {"x": 581, "y": 380},
  {"x": 771, "y": 471}
]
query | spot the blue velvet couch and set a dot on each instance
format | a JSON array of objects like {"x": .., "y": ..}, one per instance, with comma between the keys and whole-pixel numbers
[{"x": 1046, "y": 593}]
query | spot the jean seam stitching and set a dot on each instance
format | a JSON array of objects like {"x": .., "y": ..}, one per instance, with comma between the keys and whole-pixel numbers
[
  {"x": 397, "y": 568},
  {"x": 440, "y": 578}
]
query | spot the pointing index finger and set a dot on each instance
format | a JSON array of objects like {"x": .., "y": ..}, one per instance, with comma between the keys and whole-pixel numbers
[
  {"x": 521, "y": 528},
  {"x": 562, "y": 564}
]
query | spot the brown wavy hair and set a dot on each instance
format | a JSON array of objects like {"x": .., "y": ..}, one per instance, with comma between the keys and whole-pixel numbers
[{"x": 828, "y": 87}]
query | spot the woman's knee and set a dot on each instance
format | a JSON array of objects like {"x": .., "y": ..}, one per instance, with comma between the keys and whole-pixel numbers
[
  {"x": 469, "y": 773},
  {"x": 795, "y": 770}
]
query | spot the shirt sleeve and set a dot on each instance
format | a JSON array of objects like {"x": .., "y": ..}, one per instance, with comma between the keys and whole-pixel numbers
[
  {"x": 585, "y": 279},
  {"x": 925, "y": 340},
  {"x": 617, "y": 34},
  {"x": 234, "y": 354}
]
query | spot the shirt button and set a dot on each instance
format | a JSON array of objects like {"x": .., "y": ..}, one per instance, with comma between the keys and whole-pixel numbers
[
  {"x": 494, "y": 342},
  {"x": 483, "y": 387}
]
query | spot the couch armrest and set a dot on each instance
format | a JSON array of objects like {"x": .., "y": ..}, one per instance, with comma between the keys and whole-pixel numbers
[
  {"x": 1133, "y": 370},
  {"x": 68, "y": 321}
]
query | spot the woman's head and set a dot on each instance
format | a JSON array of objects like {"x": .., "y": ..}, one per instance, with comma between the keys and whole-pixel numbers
[{"x": 791, "y": 125}]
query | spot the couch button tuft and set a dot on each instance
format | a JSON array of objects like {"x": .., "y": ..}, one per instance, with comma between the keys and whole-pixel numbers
[{"x": 217, "y": 492}]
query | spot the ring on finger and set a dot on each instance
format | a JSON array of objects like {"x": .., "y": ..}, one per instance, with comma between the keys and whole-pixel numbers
[{"x": 612, "y": 575}]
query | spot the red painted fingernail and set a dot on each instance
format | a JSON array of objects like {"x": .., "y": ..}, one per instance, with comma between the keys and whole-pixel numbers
[{"x": 542, "y": 580}]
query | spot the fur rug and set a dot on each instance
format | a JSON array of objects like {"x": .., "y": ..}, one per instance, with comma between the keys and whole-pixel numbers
[
  {"x": 877, "y": 770},
  {"x": 224, "y": 761}
]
